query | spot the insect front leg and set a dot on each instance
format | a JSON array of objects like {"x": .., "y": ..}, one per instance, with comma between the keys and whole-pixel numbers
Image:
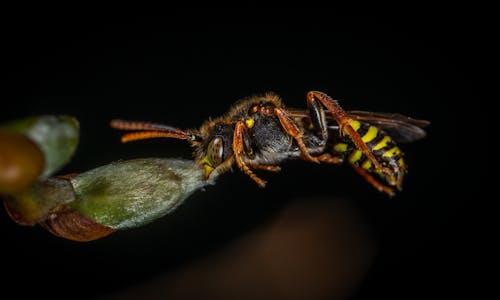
[
  {"x": 240, "y": 140},
  {"x": 345, "y": 127}
]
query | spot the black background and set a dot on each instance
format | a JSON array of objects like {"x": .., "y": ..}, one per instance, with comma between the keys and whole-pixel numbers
[{"x": 184, "y": 66}]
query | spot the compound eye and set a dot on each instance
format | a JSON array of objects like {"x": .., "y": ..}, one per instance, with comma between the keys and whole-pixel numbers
[{"x": 215, "y": 151}]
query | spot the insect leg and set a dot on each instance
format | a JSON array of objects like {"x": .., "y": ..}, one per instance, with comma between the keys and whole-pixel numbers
[
  {"x": 239, "y": 149},
  {"x": 269, "y": 168},
  {"x": 345, "y": 127},
  {"x": 329, "y": 159},
  {"x": 368, "y": 177},
  {"x": 292, "y": 130}
]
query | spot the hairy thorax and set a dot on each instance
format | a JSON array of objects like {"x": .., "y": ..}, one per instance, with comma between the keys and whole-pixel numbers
[{"x": 272, "y": 145}]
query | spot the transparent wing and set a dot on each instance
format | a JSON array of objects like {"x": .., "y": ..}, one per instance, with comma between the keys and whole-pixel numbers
[{"x": 401, "y": 128}]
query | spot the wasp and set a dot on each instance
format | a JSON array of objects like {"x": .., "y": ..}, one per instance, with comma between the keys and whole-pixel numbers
[{"x": 259, "y": 133}]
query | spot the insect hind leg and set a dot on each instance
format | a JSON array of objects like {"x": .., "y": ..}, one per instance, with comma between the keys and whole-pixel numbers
[
  {"x": 368, "y": 177},
  {"x": 344, "y": 122}
]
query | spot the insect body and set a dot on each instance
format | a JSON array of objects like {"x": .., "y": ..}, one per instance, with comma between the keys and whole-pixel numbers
[{"x": 259, "y": 133}]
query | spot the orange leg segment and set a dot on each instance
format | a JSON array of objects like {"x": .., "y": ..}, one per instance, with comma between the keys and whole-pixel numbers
[
  {"x": 368, "y": 177},
  {"x": 329, "y": 159},
  {"x": 239, "y": 149},
  {"x": 269, "y": 168}
]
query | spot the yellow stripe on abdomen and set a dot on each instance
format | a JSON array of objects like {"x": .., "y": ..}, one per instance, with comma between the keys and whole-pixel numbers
[
  {"x": 340, "y": 147},
  {"x": 355, "y": 125},
  {"x": 370, "y": 134},
  {"x": 401, "y": 163},
  {"x": 355, "y": 156},
  {"x": 391, "y": 152},
  {"x": 367, "y": 164},
  {"x": 382, "y": 143}
]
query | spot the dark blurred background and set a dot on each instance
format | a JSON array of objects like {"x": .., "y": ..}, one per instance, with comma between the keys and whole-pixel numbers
[{"x": 316, "y": 231}]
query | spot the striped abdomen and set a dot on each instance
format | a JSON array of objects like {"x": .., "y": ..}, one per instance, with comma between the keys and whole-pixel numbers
[{"x": 381, "y": 145}]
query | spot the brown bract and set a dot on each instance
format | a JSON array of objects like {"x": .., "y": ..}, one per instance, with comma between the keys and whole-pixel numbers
[{"x": 73, "y": 225}]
